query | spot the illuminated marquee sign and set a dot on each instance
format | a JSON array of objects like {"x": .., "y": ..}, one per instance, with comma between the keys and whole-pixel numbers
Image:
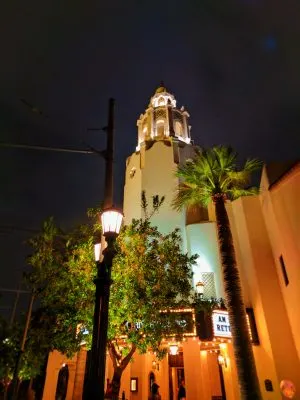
[
  {"x": 183, "y": 320},
  {"x": 221, "y": 325}
]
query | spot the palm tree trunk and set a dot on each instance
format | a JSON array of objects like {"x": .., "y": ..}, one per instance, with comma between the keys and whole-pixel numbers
[{"x": 248, "y": 381}]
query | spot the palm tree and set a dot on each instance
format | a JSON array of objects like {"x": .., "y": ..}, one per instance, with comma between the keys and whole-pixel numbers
[{"x": 213, "y": 175}]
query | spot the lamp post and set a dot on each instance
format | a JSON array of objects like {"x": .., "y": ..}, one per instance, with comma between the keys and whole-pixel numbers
[
  {"x": 111, "y": 223},
  {"x": 200, "y": 289}
]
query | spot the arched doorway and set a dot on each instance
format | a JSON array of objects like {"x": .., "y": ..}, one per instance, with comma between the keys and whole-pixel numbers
[
  {"x": 151, "y": 381},
  {"x": 62, "y": 383}
]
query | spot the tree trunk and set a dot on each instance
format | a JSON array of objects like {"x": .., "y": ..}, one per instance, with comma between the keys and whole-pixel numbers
[
  {"x": 119, "y": 367},
  {"x": 116, "y": 383},
  {"x": 6, "y": 386},
  {"x": 248, "y": 381}
]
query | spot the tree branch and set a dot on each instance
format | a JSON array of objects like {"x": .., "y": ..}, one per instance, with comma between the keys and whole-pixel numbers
[
  {"x": 126, "y": 360},
  {"x": 113, "y": 354}
]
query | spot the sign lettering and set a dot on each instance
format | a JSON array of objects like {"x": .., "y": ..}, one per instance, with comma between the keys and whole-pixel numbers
[{"x": 221, "y": 325}]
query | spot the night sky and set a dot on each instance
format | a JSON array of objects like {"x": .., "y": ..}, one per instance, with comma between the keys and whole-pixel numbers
[{"x": 235, "y": 66}]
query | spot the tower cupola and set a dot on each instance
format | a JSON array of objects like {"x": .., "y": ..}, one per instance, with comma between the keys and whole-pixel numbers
[{"x": 162, "y": 120}]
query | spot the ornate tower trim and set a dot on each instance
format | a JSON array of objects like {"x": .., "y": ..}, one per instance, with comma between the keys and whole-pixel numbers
[{"x": 162, "y": 120}]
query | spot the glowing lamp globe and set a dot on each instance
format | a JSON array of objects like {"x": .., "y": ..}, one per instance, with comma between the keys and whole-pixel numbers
[
  {"x": 97, "y": 251},
  {"x": 111, "y": 220}
]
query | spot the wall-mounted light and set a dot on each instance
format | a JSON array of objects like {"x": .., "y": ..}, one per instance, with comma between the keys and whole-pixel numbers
[
  {"x": 222, "y": 360},
  {"x": 173, "y": 349},
  {"x": 155, "y": 365}
]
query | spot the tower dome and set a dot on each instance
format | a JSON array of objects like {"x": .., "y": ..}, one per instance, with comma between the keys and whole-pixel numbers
[
  {"x": 161, "y": 88},
  {"x": 162, "y": 120}
]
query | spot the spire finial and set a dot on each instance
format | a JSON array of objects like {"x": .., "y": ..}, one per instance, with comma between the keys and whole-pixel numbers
[{"x": 161, "y": 88}]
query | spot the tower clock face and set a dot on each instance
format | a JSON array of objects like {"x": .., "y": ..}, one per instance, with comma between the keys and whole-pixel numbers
[{"x": 132, "y": 172}]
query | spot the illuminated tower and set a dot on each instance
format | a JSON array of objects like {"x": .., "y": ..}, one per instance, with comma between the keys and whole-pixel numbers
[{"x": 164, "y": 141}]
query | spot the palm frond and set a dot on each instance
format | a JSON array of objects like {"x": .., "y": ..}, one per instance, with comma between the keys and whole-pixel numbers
[
  {"x": 235, "y": 192},
  {"x": 225, "y": 157},
  {"x": 236, "y": 178},
  {"x": 252, "y": 165},
  {"x": 187, "y": 195},
  {"x": 213, "y": 171}
]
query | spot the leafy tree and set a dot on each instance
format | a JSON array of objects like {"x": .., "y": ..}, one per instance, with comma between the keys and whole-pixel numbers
[
  {"x": 63, "y": 270},
  {"x": 32, "y": 360},
  {"x": 7, "y": 351},
  {"x": 150, "y": 277},
  {"x": 213, "y": 175},
  {"x": 62, "y": 280}
]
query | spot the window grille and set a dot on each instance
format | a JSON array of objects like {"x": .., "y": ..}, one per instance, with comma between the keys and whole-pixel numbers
[{"x": 209, "y": 290}]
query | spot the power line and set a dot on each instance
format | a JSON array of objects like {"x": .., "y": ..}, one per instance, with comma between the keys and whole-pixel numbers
[
  {"x": 14, "y": 290},
  {"x": 48, "y": 148}
]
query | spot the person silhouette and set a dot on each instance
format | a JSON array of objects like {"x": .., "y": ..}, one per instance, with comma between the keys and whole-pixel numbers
[
  {"x": 154, "y": 391},
  {"x": 181, "y": 391}
]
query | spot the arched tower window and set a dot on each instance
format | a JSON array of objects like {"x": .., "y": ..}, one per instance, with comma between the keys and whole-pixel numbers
[
  {"x": 160, "y": 127},
  {"x": 161, "y": 101},
  {"x": 178, "y": 128}
]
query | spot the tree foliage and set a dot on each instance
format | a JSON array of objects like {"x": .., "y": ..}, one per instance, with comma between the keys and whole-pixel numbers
[
  {"x": 150, "y": 277},
  {"x": 150, "y": 274},
  {"x": 34, "y": 356},
  {"x": 62, "y": 276}
]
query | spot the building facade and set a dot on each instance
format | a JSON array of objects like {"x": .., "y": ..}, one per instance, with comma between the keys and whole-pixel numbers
[{"x": 266, "y": 231}]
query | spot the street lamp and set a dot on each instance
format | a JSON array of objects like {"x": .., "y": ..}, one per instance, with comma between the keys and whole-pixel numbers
[
  {"x": 111, "y": 220},
  {"x": 111, "y": 224},
  {"x": 200, "y": 289}
]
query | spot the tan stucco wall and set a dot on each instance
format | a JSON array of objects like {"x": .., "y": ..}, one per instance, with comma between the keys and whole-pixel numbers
[
  {"x": 55, "y": 363},
  {"x": 275, "y": 357},
  {"x": 281, "y": 209},
  {"x": 202, "y": 379},
  {"x": 155, "y": 174}
]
